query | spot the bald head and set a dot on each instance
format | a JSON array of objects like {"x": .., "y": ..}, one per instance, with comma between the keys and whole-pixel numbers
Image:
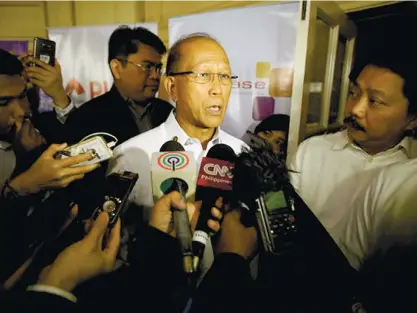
[{"x": 188, "y": 47}]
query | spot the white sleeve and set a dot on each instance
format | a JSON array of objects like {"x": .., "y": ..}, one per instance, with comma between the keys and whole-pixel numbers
[
  {"x": 62, "y": 113},
  {"x": 53, "y": 290}
]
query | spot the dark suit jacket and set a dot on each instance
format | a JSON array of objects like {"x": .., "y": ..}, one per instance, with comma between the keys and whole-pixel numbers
[
  {"x": 34, "y": 301},
  {"x": 110, "y": 113}
]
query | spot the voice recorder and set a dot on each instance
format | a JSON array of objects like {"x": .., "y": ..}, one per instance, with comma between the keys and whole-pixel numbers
[{"x": 276, "y": 221}]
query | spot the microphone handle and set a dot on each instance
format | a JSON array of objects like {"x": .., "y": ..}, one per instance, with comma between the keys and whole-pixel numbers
[
  {"x": 183, "y": 231},
  {"x": 201, "y": 234}
]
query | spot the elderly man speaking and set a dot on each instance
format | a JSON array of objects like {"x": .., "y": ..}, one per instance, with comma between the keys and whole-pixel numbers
[{"x": 199, "y": 81}]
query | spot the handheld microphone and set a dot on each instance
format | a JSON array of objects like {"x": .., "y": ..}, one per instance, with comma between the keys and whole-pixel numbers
[
  {"x": 214, "y": 181},
  {"x": 174, "y": 169}
]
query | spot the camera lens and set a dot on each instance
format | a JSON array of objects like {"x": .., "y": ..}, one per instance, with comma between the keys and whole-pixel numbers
[{"x": 109, "y": 206}]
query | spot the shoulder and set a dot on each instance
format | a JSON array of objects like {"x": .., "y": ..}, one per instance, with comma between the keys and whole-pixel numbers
[
  {"x": 235, "y": 143},
  {"x": 151, "y": 141},
  {"x": 325, "y": 141}
]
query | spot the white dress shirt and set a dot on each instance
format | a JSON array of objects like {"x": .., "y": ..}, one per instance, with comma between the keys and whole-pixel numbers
[
  {"x": 328, "y": 169},
  {"x": 381, "y": 214},
  {"x": 135, "y": 156}
]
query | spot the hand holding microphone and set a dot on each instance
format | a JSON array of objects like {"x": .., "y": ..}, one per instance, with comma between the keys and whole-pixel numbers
[
  {"x": 162, "y": 219},
  {"x": 174, "y": 169}
]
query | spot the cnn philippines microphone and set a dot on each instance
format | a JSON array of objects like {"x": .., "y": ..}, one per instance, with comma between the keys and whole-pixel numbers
[
  {"x": 297, "y": 249},
  {"x": 174, "y": 169},
  {"x": 214, "y": 181}
]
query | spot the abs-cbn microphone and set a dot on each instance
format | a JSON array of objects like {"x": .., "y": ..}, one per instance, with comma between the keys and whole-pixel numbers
[
  {"x": 214, "y": 181},
  {"x": 174, "y": 169}
]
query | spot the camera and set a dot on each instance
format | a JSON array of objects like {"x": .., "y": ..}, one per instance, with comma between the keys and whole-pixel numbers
[
  {"x": 117, "y": 190},
  {"x": 276, "y": 219}
]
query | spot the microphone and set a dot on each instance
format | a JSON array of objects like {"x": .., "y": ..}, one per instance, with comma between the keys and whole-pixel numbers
[
  {"x": 174, "y": 169},
  {"x": 261, "y": 185},
  {"x": 296, "y": 248},
  {"x": 214, "y": 181}
]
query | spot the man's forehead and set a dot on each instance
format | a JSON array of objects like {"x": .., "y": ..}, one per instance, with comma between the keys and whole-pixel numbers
[
  {"x": 198, "y": 51},
  {"x": 146, "y": 53},
  {"x": 380, "y": 77},
  {"x": 11, "y": 85}
]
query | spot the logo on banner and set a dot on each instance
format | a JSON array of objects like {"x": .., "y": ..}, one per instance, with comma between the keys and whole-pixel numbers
[
  {"x": 278, "y": 82},
  {"x": 173, "y": 161},
  {"x": 215, "y": 173}
]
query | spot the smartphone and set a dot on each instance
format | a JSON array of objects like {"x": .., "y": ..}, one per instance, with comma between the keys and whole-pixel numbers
[{"x": 44, "y": 50}]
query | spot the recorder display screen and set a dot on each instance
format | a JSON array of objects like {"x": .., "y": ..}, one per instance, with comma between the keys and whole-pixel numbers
[{"x": 275, "y": 201}]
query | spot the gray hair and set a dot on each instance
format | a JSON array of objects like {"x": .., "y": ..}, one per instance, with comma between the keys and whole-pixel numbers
[{"x": 174, "y": 54}]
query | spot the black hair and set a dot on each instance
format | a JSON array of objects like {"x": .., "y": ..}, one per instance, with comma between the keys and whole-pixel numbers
[
  {"x": 280, "y": 122},
  {"x": 399, "y": 61},
  {"x": 9, "y": 64},
  {"x": 174, "y": 54},
  {"x": 125, "y": 41}
]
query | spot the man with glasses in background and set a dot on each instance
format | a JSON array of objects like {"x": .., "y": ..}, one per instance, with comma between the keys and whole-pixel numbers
[
  {"x": 130, "y": 107},
  {"x": 199, "y": 81}
]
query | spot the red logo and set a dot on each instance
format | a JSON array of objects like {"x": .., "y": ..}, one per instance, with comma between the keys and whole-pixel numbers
[{"x": 216, "y": 174}]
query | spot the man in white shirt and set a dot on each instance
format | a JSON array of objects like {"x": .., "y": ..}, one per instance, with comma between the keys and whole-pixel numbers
[
  {"x": 381, "y": 114},
  {"x": 199, "y": 81}
]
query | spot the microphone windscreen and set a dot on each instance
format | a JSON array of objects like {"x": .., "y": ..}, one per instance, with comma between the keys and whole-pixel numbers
[
  {"x": 222, "y": 152},
  {"x": 171, "y": 146}
]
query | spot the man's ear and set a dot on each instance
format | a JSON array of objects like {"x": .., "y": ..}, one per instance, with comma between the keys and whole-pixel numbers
[
  {"x": 413, "y": 122},
  {"x": 170, "y": 87},
  {"x": 116, "y": 68}
]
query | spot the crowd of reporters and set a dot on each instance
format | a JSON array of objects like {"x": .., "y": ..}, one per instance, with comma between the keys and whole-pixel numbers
[{"x": 55, "y": 255}]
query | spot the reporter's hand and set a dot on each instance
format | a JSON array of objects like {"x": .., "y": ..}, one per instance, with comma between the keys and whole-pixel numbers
[
  {"x": 84, "y": 259},
  {"x": 236, "y": 238},
  {"x": 48, "y": 78},
  {"x": 49, "y": 173},
  {"x": 162, "y": 218}
]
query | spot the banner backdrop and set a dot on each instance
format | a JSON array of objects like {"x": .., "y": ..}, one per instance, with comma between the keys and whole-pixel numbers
[
  {"x": 260, "y": 42},
  {"x": 16, "y": 47},
  {"x": 82, "y": 53}
]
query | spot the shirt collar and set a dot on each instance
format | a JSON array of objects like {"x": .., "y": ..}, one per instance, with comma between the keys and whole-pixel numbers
[
  {"x": 174, "y": 129},
  {"x": 342, "y": 141},
  {"x": 115, "y": 92},
  {"x": 5, "y": 145}
]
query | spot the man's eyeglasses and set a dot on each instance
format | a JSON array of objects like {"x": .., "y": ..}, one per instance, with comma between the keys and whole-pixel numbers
[
  {"x": 146, "y": 67},
  {"x": 205, "y": 78},
  {"x": 5, "y": 100}
]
